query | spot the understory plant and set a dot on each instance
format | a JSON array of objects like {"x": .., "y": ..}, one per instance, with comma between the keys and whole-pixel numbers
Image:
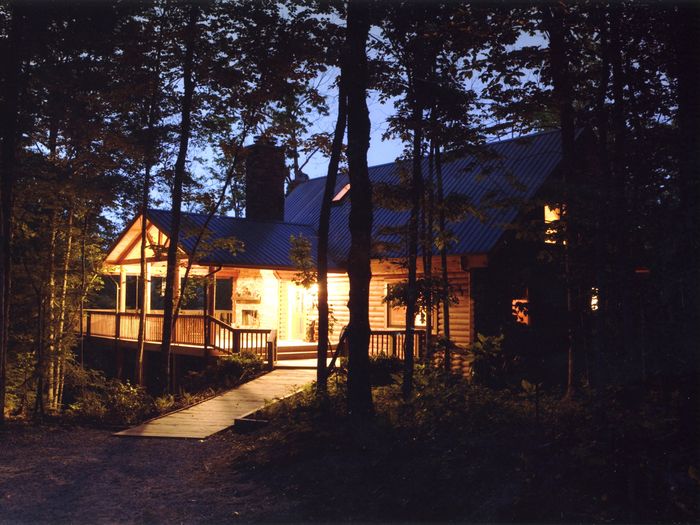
[{"x": 226, "y": 372}]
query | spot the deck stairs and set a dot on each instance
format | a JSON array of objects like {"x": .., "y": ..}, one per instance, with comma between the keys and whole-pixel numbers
[{"x": 296, "y": 350}]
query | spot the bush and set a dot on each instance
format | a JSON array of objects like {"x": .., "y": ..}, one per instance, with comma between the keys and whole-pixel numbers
[
  {"x": 224, "y": 373},
  {"x": 490, "y": 365},
  {"x": 382, "y": 368},
  {"x": 94, "y": 398}
]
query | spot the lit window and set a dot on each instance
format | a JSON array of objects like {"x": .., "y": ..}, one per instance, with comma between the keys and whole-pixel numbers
[
  {"x": 396, "y": 317},
  {"x": 552, "y": 215},
  {"x": 520, "y": 310},
  {"x": 594, "y": 299},
  {"x": 396, "y": 314},
  {"x": 343, "y": 191}
]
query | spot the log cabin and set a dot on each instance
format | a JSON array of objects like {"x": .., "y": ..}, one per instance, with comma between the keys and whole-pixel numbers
[{"x": 246, "y": 296}]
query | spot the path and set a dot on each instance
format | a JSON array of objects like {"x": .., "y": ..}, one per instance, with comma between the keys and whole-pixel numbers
[{"x": 216, "y": 414}]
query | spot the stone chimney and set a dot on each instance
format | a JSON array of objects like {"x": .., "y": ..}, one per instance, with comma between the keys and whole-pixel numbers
[{"x": 264, "y": 181}]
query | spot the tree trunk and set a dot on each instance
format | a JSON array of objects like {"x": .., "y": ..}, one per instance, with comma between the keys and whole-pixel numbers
[
  {"x": 141, "y": 342},
  {"x": 603, "y": 210},
  {"x": 83, "y": 288},
  {"x": 554, "y": 24},
  {"x": 620, "y": 262},
  {"x": 10, "y": 76},
  {"x": 178, "y": 180},
  {"x": 52, "y": 326},
  {"x": 688, "y": 117},
  {"x": 323, "y": 230},
  {"x": 428, "y": 224},
  {"x": 411, "y": 286},
  {"x": 442, "y": 233},
  {"x": 360, "y": 224},
  {"x": 62, "y": 307}
]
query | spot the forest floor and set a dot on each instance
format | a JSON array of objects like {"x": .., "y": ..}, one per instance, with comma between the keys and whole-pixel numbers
[
  {"x": 65, "y": 474},
  {"x": 460, "y": 454}
]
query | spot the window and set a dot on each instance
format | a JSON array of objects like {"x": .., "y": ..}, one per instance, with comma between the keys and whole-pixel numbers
[
  {"x": 520, "y": 311},
  {"x": 343, "y": 191},
  {"x": 594, "y": 299},
  {"x": 552, "y": 216},
  {"x": 520, "y": 308},
  {"x": 396, "y": 315}
]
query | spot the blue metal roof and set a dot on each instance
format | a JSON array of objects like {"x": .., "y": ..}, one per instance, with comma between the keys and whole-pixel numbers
[
  {"x": 265, "y": 244},
  {"x": 514, "y": 169}
]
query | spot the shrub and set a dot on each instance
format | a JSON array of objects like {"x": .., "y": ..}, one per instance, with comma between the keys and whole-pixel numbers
[
  {"x": 382, "y": 368},
  {"x": 94, "y": 398},
  {"x": 225, "y": 372},
  {"x": 489, "y": 363},
  {"x": 164, "y": 403}
]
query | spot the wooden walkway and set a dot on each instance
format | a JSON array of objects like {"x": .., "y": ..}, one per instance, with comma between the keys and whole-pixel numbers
[{"x": 216, "y": 414}]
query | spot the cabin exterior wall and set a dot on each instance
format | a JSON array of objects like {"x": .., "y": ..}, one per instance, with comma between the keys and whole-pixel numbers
[{"x": 387, "y": 272}]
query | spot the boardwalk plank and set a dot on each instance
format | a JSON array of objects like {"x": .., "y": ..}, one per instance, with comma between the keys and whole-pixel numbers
[{"x": 216, "y": 414}]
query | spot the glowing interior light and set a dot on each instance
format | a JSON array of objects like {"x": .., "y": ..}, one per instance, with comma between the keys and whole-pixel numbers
[
  {"x": 551, "y": 215},
  {"x": 594, "y": 299},
  {"x": 520, "y": 310},
  {"x": 343, "y": 191}
]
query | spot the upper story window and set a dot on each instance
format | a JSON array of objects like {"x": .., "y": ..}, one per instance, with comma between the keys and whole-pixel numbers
[{"x": 343, "y": 191}]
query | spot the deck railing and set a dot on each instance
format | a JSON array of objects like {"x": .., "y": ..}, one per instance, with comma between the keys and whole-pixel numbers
[
  {"x": 388, "y": 342},
  {"x": 189, "y": 329},
  {"x": 393, "y": 342}
]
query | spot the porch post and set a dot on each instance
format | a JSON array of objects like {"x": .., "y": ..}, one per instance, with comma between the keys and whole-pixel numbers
[
  {"x": 122, "y": 289},
  {"x": 147, "y": 295},
  {"x": 211, "y": 292},
  {"x": 176, "y": 288}
]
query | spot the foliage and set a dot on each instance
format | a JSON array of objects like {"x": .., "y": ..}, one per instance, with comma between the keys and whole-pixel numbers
[
  {"x": 586, "y": 461},
  {"x": 490, "y": 366},
  {"x": 97, "y": 399},
  {"x": 429, "y": 291},
  {"x": 303, "y": 261},
  {"x": 225, "y": 372},
  {"x": 383, "y": 369}
]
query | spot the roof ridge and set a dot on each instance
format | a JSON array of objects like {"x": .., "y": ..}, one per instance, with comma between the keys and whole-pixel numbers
[
  {"x": 494, "y": 143},
  {"x": 247, "y": 220}
]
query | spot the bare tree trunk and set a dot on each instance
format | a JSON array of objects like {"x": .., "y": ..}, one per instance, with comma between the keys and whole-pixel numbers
[
  {"x": 178, "y": 180},
  {"x": 411, "y": 285},
  {"x": 52, "y": 326},
  {"x": 428, "y": 222},
  {"x": 40, "y": 354},
  {"x": 10, "y": 75},
  {"x": 62, "y": 306},
  {"x": 554, "y": 24},
  {"x": 360, "y": 224},
  {"x": 603, "y": 218},
  {"x": 323, "y": 231},
  {"x": 688, "y": 117},
  {"x": 141, "y": 341},
  {"x": 83, "y": 287},
  {"x": 442, "y": 233}
]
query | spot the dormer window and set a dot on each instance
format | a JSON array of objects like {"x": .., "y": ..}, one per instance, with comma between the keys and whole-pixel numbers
[{"x": 341, "y": 194}]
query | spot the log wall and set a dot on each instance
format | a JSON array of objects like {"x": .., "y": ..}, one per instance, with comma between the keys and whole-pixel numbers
[{"x": 461, "y": 314}]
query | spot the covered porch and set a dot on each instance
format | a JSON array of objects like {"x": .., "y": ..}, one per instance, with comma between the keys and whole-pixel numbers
[{"x": 233, "y": 298}]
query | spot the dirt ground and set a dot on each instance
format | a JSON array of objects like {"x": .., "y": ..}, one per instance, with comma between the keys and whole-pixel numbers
[{"x": 81, "y": 475}]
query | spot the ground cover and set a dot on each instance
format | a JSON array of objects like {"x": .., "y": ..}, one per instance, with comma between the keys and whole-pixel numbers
[{"x": 458, "y": 453}]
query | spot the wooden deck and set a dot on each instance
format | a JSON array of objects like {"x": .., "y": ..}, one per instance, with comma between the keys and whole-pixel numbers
[{"x": 221, "y": 412}]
